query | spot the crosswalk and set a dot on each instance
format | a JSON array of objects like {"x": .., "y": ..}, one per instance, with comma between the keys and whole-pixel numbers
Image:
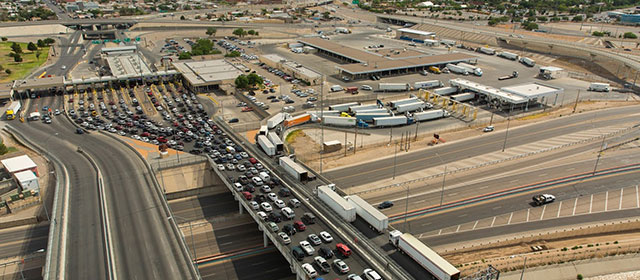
[{"x": 492, "y": 158}]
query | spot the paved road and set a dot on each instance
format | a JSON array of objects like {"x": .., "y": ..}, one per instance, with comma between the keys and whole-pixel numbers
[
  {"x": 23, "y": 241},
  {"x": 140, "y": 230},
  {"x": 488, "y": 143},
  {"x": 202, "y": 207},
  {"x": 268, "y": 264}
]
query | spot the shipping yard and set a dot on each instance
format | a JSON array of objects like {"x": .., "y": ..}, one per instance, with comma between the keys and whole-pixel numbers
[{"x": 319, "y": 140}]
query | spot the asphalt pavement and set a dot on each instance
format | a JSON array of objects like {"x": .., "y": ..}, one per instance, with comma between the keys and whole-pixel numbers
[
  {"x": 21, "y": 241},
  {"x": 488, "y": 143}
]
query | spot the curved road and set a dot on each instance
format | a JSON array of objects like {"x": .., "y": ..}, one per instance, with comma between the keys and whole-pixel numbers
[{"x": 489, "y": 143}]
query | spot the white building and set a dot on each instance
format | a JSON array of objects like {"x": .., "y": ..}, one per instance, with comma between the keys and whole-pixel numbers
[
  {"x": 27, "y": 180},
  {"x": 20, "y": 163}
]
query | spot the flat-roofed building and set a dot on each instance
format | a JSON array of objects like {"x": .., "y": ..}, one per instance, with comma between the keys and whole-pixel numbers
[
  {"x": 207, "y": 75},
  {"x": 292, "y": 68}
]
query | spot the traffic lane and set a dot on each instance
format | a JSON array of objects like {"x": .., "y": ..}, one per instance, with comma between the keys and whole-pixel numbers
[
  {"x": 269, "y": 264},
  {"x": 238, "y": 237},
  {"x": 531, "y": 170},
  {"x": 520, "y": 202},
  {"x": 383, "y": 168},
  {"x": 139, "y": 228},
  {"x": 441, "y": 240},
  {"x": 23, "y": 240},
  {"x": 202, "y": 207},
  {"x": 85, "y": 247}
]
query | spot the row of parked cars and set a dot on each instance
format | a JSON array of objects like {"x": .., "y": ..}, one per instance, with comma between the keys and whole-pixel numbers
[{"x": 280, "y": 74}]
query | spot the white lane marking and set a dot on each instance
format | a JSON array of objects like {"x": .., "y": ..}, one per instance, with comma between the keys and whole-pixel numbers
[
  {"x": 621, "y": 193},
  {"x": 569, "y": 169},
  {"x": 425, "y": 224},
  {"x": 452, "y": 194},
  {"x": 440, "y": 232},
  {"x": 591, "y": 204},
  {"x": 497, "y": 207},
  {"x": 606, "y": 201},
  {"x": 513, "y": 181},
  {"x": 462, "y": 215},
  {"x": 483, "y": 187},
  {"x": 542, "y": 175},
  {"x": 559, "y": 207},
  {"x": 494, "y": 220},
  {"x": 510, "y": 216},
  {"x": 575, "y": 205},
  {"x": 420, "y": 235},
  {"x": 458, "y": 229},
  {"x": 474, "y": 225},
  {"x": 543, "y": 209},
  {"x": 226, "y": 243},
  {"x": 528, "y": 210}
]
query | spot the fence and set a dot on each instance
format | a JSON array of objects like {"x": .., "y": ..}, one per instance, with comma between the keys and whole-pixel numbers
[
  {"x": 184, "y": 160},
  {"x": 26, "y": 268}
]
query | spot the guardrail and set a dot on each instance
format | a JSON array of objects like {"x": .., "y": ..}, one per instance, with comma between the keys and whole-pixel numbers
[
  {"x": 55, "y": 262},
  {"x": 378, "y": 259}
]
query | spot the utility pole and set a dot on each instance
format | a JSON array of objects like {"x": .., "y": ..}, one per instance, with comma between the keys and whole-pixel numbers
[
  {"x": 322, "y": 119},
  {"x": 406, "y": 210},
  {"x": 523, "y": 268},
  {"x": 345, "y": 143},
  {"x": 602, "y": 147},
  {"x": 355, "y": 140},
  {"x": 415, "y": 138},
  {"x": 576, "y": 104},
  {"x": 444, "y": 177},
  {"x": 504, "y": 145}
]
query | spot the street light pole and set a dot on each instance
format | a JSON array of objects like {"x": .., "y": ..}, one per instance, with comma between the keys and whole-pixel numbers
[
  {"x": 444, "y": 177},
  {"x": 602, "y": 147},
  {"x": 406, "y": 209},
  {"x": 395, "y": 156},
  {"x": 504, "y": 145}
]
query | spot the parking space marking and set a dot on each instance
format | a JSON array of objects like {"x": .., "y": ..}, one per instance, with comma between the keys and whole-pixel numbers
[
  {"x": 458, "y": 229},
  {"x": 621, "y": 194},
  {"x": 476, "y": 224},
  {"x": 542, "y": 175},
  {"x": 494, "y": 220},
  {"x": 510, "y": 216},
  {"x": 528, "y": 211},
  {"x": 575, "y": 205},
  {"x": 543, "y": 208},
  {"x": 637, "y": 197},
  {"x": 559, "y": 208},
  {"x": 606, "y": 201},
  {"x": 591, "y": 204}
]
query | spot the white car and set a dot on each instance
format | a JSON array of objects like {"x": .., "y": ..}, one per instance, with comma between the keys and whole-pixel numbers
[
  {"x": 266, "y": 188},
  {"x": 309, "y": 270},
  {"x": 341, "y": 266},
  {"x": 262, "y": 215},
  {"x": 257, "y": 181},
  {"x": 220, "y": 166},
  {"x": 308, "y": 249},
  {"x": 230, "y": 166},
  {"x": 488, "y": 128},
  {"x": 254, "y": 205},
  {"x": 280, "y": 204},
  {"x": 371, "y": 274},
  {"x": 272, "y": 196},
  {"x": 326, "y": 237},
  {"x": 294, "y": 202},
  {"x": 366, "y": 87},
  {"x": 266, "y": 206},
  {"x": 285, "y": 238}
]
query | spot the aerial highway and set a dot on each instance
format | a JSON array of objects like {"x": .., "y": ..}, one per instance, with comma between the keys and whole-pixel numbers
[
  {"x": 489, "y": 143},
  {"x": 21, "y": 241},
  {"x": 140, "y": 229}
]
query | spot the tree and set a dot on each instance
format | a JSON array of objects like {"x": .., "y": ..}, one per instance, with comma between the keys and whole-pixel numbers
[
  {"x": 630, "y": 35},
  {"x": 49, "y": 41},
  {"x": 598, "y": 33},
  {"x": 16, "y": 47},
  {"x": 211, "y": 31},
  {"x": 233, "y": 54},
  {"x": 529, "y": 25},
  {"x": 242, "y": 82},
  {"x": 182, "y": 17},
  {"x": 8, "y": 71},
  {"x": 254, "y": 79},
  {"x": 325, "y": 15},
  {"x": 3, "y": 149},
  {"x": 239, "y": 32},
  {"x": 251, "y": 32},
  {"x": 17, "y": 58},
  {"x": 202, "y": 47},
  {"x": 4, "y": 39},
  {"x": 40, "y": 43},
  {"x": 184, "y": 55},
  {"x": 577, "y": 19},
  {"x": 38, "y": 54},
  {"x": 31, "y": 46}
]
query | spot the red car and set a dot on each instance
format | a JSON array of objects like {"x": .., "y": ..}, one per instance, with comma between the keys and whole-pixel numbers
[
  {"x": 343, "y": 249},
  {"x": 299, "y": 226},
  {"x": 162, "y": 139},
  {"x": 144, "y": 134},
  {"x": 253, "y": 160},
  {"x": 247, "y": 195},
  {"x": 247, "y": 109}
]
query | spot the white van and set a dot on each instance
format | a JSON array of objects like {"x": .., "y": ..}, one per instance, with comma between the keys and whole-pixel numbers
[{"x": 265, "y": 177}]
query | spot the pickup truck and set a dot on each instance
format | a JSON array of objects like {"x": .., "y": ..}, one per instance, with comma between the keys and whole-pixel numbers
[{"x": 543, "y": 199}]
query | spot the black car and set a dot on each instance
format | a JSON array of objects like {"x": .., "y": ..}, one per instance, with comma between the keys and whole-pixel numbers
[
  {"x": 284, "y": 192},
  {"x": 260, "y": 198},
  {"x": 249, "y": 188},
  {"x": 385, "y": 205},
  {"x": 325, "y": 253},
  {"x": 234, "y": 120},
  {"x": 79, "y": 131},
  {"x": 275, "y": 217},
  {"x": 289, "y": 229}
]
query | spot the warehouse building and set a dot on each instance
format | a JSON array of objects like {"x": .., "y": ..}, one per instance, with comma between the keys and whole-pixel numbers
[
  {"x": 208, "y": 75},
  {"x": 20, "y": 163},
  {"x": 292, "y": 68},
  {"x": 413, "y": 35},
  {"x": 27, "y": 181},
  {"x": 382, "y": 62}
]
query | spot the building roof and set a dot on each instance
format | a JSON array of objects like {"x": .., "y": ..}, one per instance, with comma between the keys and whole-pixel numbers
[
  {"x": 417, "y": 32},
  {"x": 45, "y": 82},
  {"x": 18, "y": 163},
  {"x": 127, "y": 65},
  {"x": 532, "y": 90},
  {"x": 405, "y": 63},
  {"x": 24, "y": 176},
  {"x": 207, "y": 72},
  {"x": 119, "y": 49},
  {"x": 351, "y": 53}
]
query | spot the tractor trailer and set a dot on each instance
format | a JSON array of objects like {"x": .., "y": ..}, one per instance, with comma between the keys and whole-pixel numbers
[
  {"x": 266, "y": 145},
  {"x": 488, "y": 51},
  {"x": 427, "y": 84},
  {"x": 393, "y": 87},
  {"x": 445, "y": 91},
  {"x": 423, "y": 255},
  {"x": 392, "y": 121},
  {"x": 430, "y": 115},
  {"x": 472, "y": 69},
  {"x": 342, "y": 107},
  {"x": 13, "y": 110},
  {"x": 275, "y": 140},
  {"x": 508, "y": 55},
  {"x": 418, "y": 105},
  {"x": 395, "y": 104},
  {"x": 337, "y": 203},
  {"x": 462, "y": 97},
  {"x": 457, "y": 69},
  {"x": 528, "y": 61},
  {"x": 376, "y": 219},
  {"x": 294, "y": 169}
]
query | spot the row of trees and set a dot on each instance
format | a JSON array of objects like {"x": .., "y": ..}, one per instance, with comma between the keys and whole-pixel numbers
[
  {"x": 17, "y": 52},
  {"x": 201, "y": 47},
  {"x": 247, "y": 81}
]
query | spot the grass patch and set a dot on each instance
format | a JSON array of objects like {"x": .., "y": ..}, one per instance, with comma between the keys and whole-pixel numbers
[
  {"x": 20, "y": 69},
  {"x": 534, "y": 116},
  {"x": 293, "y": 135},
  {"x": 11, "y": 149}
]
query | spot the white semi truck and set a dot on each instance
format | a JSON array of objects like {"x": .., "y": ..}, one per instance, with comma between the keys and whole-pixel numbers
[
  {"x": 266, "y": 145},
  {"x": 430, "y": 115},
  {"x": 423, "y": 255},
  {"x": 471, "y": 68},
  {"x": 457, "y": 69},
  {"x": 410, "y": 107},
  {"x": 508, "y": 55},
  {"x": 337, "y": 203},
  {"x": 427, "y": 84},
  {"x": 393, "y": 87},
  {"x": 376, "y": 219}
]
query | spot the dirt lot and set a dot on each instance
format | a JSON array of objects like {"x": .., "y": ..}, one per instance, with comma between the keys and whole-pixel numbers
[{"x": 306, "y": 149}]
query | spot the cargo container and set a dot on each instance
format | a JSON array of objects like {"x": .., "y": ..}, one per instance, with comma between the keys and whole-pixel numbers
[
  {"x": 300, "y": 119},
  {"x": 393, "y": 87},
  {"x": 415, "y": 106},
  {"x": 471, "y": 68},
  {"x": 356, "y": 108},
  {"x": 276, "y": 141},
  {"x": 427, "y": 84},
  {"x": 392, "y": 121},
  {"x": 528, "y": 61},
  {"x": 424, "y": 256},
  {"x": 462, "y": 97},
  {"x": 263, "y": 130},
  {"x": 508, "y": 55},
  {"x": 600, "y": 87},
  {"x": 447, "y": 42},
  {"x": 365, "y": 111},
  {"x": 352, "y": 90},
  {"x": 266, "y": 145},
  {"x": 394, "y": 104},
  {"x": 368, "y": 117},
  {"x": 375, "y": 218},
  {"x": 319, "y": 114},
  {"x": 342, "y": 107},
  {"x": 445, "y": 91},
  {"x": 343, "y": 30},
  {"x": 338, "y": 204},
  {"x": 294, "y": 169},
  {"x": 339, "y": 121},
  {"x": 488, "y": 51},
  {"x": 457, "y": 69},
  {"x": 430, "y": 115},
  {"x": 335, "y": 88},
  {"x": 276, "y": 120}
]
